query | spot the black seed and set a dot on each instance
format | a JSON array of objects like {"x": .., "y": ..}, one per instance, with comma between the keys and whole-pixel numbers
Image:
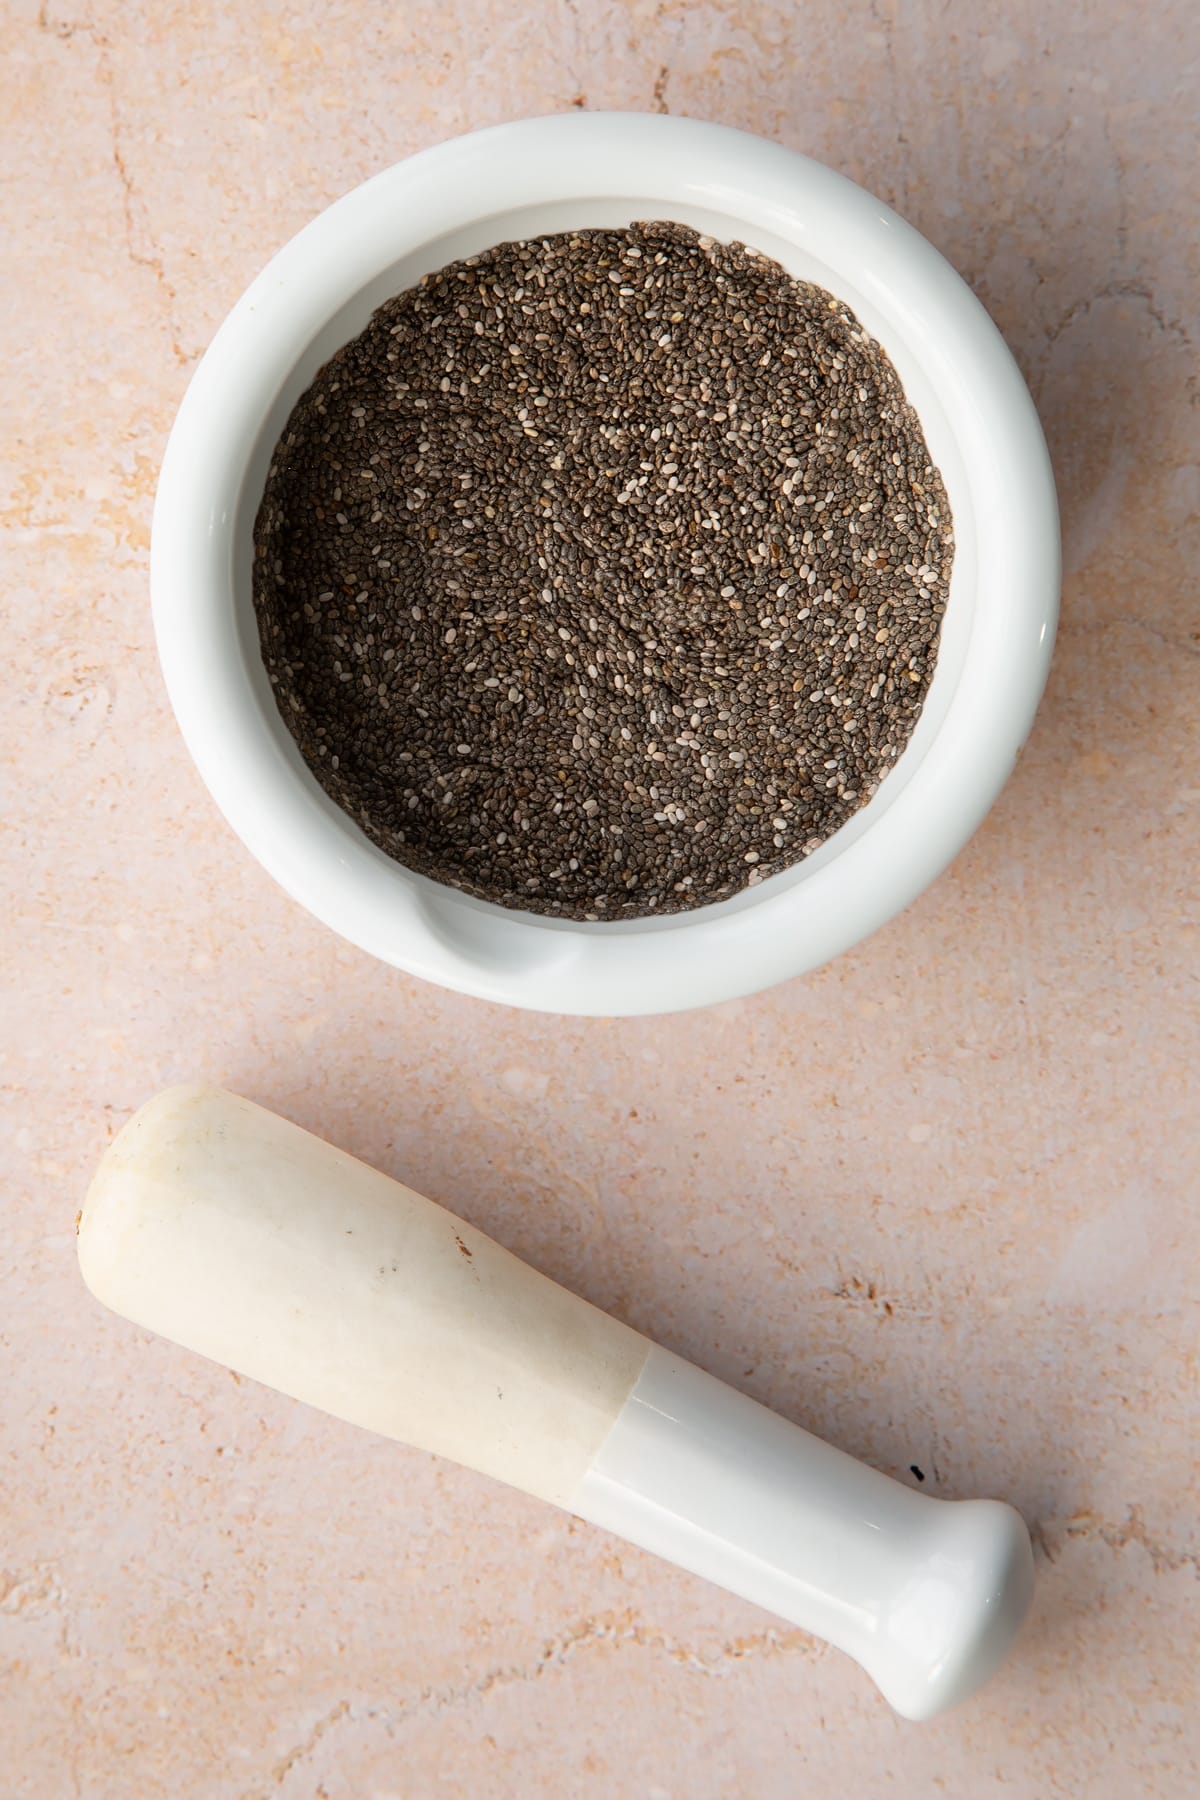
[{"x": 603, "y": 574}]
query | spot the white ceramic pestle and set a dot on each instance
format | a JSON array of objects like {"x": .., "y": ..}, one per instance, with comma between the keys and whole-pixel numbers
[{"x": 240, "y": 1236}]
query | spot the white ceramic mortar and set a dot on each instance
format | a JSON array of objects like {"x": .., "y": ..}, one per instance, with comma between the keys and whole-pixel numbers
[{"x": 546, "y": 175}]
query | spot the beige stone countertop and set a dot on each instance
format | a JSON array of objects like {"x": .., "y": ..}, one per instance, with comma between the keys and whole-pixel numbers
[{"x": 937, "y": 1202}]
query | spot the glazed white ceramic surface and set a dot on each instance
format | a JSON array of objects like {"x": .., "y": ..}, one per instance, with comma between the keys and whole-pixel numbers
[
  {"x": 926, "y": 1595},
  {"x": 545, "y": 175}
]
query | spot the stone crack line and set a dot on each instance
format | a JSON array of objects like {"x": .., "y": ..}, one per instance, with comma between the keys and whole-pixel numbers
[
  {"x": 64, "y": 30},
  {"x": 1087, "y": 1526},
  {"x": 616, "y": 1628},
  {"x": 282, "y": 1769},
  {"x": 1174, "y": 640},
  {"x": 1127, "y": 290}
]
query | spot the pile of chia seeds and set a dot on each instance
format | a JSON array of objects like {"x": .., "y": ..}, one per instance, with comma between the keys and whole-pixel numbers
[{"x": 602, "y": 574}]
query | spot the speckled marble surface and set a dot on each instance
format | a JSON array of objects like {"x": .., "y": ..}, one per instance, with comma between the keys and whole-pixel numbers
[{"x": 937, "y": 1202}]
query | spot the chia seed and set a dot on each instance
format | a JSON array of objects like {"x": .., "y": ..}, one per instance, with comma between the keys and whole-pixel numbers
[{"x": 602, "y": 574}]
